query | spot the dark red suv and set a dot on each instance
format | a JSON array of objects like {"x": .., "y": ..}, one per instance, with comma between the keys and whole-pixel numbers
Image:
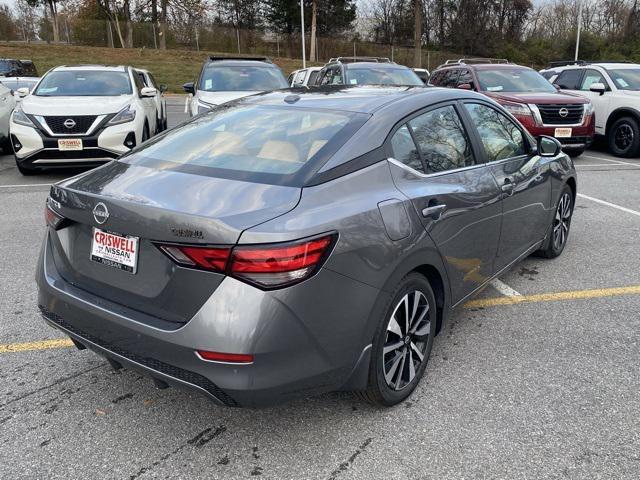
[{"x": 528, "y": 96}]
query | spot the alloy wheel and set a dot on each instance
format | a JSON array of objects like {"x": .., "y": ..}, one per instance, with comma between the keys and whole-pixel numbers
[
  {"x": 623, "y": 137},
  {"x": 406, "y": 340},
  {"x": 562, "y": 221}
]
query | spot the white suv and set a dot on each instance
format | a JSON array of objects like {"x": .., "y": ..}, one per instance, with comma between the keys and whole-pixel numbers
[
  {"x": 614, "y": 90},
  {"x": 82, "y": 115}
]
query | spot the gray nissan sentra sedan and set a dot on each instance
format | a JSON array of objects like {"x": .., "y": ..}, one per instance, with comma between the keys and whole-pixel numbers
[{"x": 299, "y": 242}]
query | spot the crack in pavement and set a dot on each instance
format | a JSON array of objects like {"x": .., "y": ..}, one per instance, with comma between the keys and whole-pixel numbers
[
  {"x": 345, "y": 465},
  {"x": 199, "y": 441},
  {"x": 46, "y": 387}
]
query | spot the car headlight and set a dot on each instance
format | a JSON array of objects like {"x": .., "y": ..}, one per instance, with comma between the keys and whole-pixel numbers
[
  {"x": 127, "y": 114},
  {"x": 517, "y": 109},
  {"x": 21, "y": 118},
  {"x": 588, "y": 109},
  {"x": 204, "y": 106}
]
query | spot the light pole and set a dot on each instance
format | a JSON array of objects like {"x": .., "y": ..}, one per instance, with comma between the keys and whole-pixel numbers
[
  {"x": 304, "y": 54},
  {"x": 579, "y": 29}
]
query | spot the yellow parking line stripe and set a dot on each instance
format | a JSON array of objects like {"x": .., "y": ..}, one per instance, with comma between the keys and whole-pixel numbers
[
  {"x": 42, "y": 345},
  {"x": 554, "y": 297}
]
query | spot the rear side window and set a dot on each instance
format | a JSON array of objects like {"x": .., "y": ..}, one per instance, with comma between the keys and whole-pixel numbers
[
  {"x": 500, "y": 137},
  {"x": 591, "y": 77},
  {"x": 442, "y": 140},
  {"x": 465, "y": 78},
  {"x": 436, "y": 78},
  {"x": 450, "y": 79},
  {"x": 569, "y": 79},
  {"x": 313, "y": 76},
  {"x": 404, "y": 149},
  {"x": 250, "y": 139}
]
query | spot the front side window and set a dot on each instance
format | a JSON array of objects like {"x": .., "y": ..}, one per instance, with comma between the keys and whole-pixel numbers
[
  {"x": 626, "y": 78},
  {"x": 404, "y": 149},
  {"x": 501, "y": 138},
  {"x": 218, "y": 78},
  {"x": 382, "y": 76},
  {"x": 443, "y": 142},
  {"x": 513, "y": 80},
  {"x": 591, "y": 77},
  {"x": 569, "y": 79},
  {"x": 247, "y": 139},
  {"x": 336, "y": 76},
  {"x": 79, "y": 83}
]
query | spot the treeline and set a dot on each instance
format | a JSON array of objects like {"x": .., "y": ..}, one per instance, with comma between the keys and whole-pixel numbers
[{"x": 526, "y": 31}]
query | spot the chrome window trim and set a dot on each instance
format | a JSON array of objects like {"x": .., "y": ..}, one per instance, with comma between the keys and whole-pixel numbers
[{"x": 434, "y": 174}]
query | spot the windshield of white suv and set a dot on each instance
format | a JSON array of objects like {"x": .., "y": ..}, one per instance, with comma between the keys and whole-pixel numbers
[
  {"x": 218, "y": 78},
  {"x": 382, "y": 76},
  {"x": 84, "y": 83},
  {"x": 513, "y": 80},
  {"x": 626, "y": 78}
]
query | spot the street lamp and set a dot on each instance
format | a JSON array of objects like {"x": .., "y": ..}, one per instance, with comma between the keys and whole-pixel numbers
[{"x": 304, "y": 54}]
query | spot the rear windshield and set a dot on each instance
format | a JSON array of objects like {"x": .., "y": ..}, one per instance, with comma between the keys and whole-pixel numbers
[
  {"x": 516, "y": 80},
  {"x": 256, "y": 142},
  {"x": 382, "y": 76},
  {"x": 218, "y": 78},
  {"x": 78, "y": 83}
]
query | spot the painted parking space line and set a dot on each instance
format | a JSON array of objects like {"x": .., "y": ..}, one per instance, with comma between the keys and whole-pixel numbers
[
  {"x": 609, "y": 204},
  {"x": 554, "y": 297},
  {"x": 504, "y": 289},
  {"x": 41, "y": 345},
  {"x": 27, "y": 185},
  {"x": 620, "y": 162}
]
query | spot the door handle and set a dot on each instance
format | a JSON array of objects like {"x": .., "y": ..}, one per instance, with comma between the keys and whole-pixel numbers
[
  {"x": 508, "y": 187},
  {"x": 434, "y": 211}
]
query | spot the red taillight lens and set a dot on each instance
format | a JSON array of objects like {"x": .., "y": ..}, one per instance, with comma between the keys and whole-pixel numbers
[
  {"x": 224, "y": 357},
  {"x": 53, "y": 219},
  {"x": 279, "y": 265},
  {"x": 266, "y": 266},
  {"x": 209, "y": 258}
]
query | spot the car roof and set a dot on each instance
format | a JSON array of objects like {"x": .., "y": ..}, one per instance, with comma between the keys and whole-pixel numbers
[
  {"x": 240, "y": 62},
  {"x": 105, "y": 68},
  {"x": 376, "y": 65},
  {"x": 356, "y": 99}
]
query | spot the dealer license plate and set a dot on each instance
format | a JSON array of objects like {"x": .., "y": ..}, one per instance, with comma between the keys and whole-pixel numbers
[
  {"x": 65, "y": 144},
  {"x": 114, "y": 250},
  {"x": 563, "y": 132}
]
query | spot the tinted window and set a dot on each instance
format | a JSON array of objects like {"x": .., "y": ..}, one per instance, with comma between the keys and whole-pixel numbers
[
  {"x": 569, "y": 79},
  {"x": 591, "y": 77},
  {"x": 142, "y": 79},
  {"x": 326, "y": 77},
  {"x": 258, "y": 139},
  {"x": 436, "y": 78},
  {"x": 218, "y": 78},
  {"x": 405, "y": 150},
  {"x": 450, "y": 78},
  {"x": 465, "y": 77},
  {"x": 626, "y": 78},
  {"x": 513, "y": 80},
  {"x": 500, "y": 137},
  {"x": 84, "y": 83},
  {"x": 335, "y": 76},
  {"x": 548, "y": 74},
  {"x": 382, "y": 76},
  {"x": 313, "y": 76},
  {"x": 443, "y": 143}
]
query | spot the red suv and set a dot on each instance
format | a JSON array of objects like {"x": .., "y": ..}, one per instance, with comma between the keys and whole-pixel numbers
[{"x": 528, "y": 96}]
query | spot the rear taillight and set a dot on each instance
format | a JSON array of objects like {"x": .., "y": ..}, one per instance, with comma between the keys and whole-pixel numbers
[
  {"x": 266, "y": 266},
  {"x": 224, "y": 357},
  {"x": 53, "y": 219}
]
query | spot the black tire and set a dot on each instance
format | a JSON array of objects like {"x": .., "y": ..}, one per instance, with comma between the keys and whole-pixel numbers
[
  {"x": 399, "y": 363},
  {"x": 624, "y": 137},
  {"x": 574, "y": 152},
  {"x": 24, "y": 170},
  {"x": 145, "y": 133},
  {"x": 560, "y": 226}
]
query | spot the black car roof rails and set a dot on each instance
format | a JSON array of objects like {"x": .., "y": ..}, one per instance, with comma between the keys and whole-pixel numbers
[
  {"x": 353, "y": 59},
  {"x": 467, "y": 61},
  {"x": 216, "y": 58}
]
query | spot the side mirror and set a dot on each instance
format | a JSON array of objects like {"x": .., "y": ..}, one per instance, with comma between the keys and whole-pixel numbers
[
  {"x": 147, "y": 92},
  {"x": 189, "y": 87},
  {"x": 548, "y": 146},
  {"x": 465, "y": 86},
  {"x": 163, "y": 88},
  {"x": 22, "y": 92},
  {"x": 598, "y": 88}
]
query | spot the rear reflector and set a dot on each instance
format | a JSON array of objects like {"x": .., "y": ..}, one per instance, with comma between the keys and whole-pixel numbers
[
  {"x": 266, "y": 266},
  {"x": 53, "y": 219},
  {"x": 224, "y": 357}
]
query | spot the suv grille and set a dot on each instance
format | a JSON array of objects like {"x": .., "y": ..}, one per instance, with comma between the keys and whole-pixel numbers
[
  {"x": 81, "y": 123},
  {"x": 561, "y": 114}
]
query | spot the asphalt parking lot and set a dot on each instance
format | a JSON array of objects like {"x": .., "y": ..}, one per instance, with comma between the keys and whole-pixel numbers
[{"x": 536, "y": 378}]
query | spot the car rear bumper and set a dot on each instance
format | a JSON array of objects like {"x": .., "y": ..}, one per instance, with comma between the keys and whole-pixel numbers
[{"x": 294, "y": 354}]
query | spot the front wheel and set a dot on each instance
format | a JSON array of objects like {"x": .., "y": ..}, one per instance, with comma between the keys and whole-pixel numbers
[
  {"x": 624, "y": 137},
  {"x": 145, "y": 133},
  {"x": 557, "y": 239},
  {"x": 402, "y": 344}
]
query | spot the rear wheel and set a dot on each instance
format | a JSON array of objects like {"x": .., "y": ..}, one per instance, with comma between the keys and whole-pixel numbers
[
  {"x": 402, "y": 344},
  {"x": 624, "y": 137},
  {"x": 145, "y": 133},
  {"x": 557, "y": 239}
]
